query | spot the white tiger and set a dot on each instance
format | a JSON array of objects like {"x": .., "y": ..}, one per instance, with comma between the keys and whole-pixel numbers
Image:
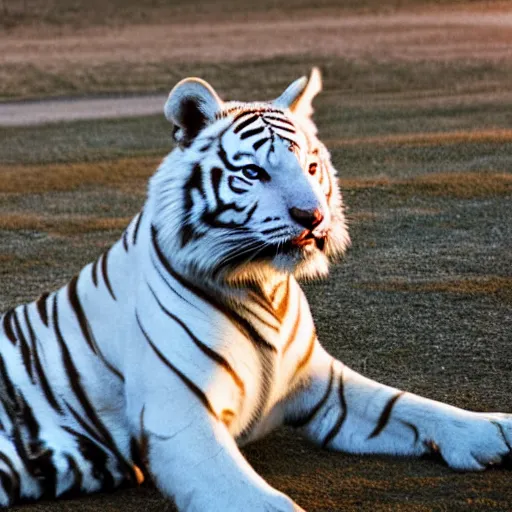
[{"x": 191, "y": 336}]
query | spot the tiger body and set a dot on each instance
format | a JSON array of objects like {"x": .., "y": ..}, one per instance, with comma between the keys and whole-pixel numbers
[{"x": 191, "y": 336}]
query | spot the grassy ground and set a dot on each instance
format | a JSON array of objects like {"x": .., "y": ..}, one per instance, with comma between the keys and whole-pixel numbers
[
  {"x": 423, "y": 300},
  {"x": 463, "y": 51},
  {"x": 83, "y": 13}
]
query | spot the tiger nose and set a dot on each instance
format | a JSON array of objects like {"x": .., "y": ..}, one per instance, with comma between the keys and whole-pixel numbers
[{"x": 307, "y": 218}]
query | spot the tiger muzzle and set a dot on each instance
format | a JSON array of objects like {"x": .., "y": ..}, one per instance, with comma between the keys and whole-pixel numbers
[{"x": 308, "y": 238}]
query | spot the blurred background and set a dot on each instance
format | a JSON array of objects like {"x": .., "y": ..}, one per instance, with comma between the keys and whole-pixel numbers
[{"x": 417, "y": 112}]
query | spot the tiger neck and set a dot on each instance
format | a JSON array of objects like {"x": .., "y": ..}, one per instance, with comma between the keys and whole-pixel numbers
[{"x": 265, "y": 289}]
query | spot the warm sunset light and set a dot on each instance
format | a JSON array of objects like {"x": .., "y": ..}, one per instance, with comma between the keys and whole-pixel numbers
[{"x": 255, "y": 255}]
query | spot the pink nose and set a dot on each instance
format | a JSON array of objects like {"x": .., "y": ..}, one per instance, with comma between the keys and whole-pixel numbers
[{"x": 307, "y": 218}]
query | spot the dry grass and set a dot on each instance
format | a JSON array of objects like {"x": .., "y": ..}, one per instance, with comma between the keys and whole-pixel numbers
[
  {"x": 10, "y": 263},
  {"x": 427, "y": 139},
  {"x": 60, "y": 224},
  {"x": 499, "y": 287},
  {"x": 459, "y": 185},
  {"x": 129, "y": 174},
  {"x": 84, "y": 13},
  {"x": 412, "y": 48}
]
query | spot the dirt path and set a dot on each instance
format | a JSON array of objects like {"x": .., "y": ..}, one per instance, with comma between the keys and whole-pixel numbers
[
  {"x": 51, "y": 111},
  {"x": 443, "y": 36}
]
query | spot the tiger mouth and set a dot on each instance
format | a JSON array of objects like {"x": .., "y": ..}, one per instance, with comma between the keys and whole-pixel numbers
[
  {"x": 307, "y": 238},
  {"x": 300, "y": 244}
]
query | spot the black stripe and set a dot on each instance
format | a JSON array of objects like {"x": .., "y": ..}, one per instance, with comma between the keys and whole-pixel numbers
[
  {"x": 24, "y": 348},
  {"x": 259, "y": 319},
  {"x": 86, "y": 427},
  {"x": 95, "y": 271},
  {"x": 260, "y": 143},
  {"x": 250, "y": 213},
  {"x": 250, "y": 133},
  {"x": 385, "y": 415},
  {"x": 46, "y": 470},
  {"x": 247, "y": 122},
  {"x": 195, "y": 182},
  {"x": 7, "y": 326},
  {"x": 243, "y": 114},
  {"x": 224, "y": 158},
  {"x": 216, "y": 176},
  {"x": 414, "y": 428},
  {"x": 84, "y": 325},
  {"x": 104, "y": 271},
  {"x": 98, "y": 458},
  {"x": 241, "y": 323},
  {"x": 302, "y": 422},
  {"x": 77, "y": 308},
  {"x": 13, "y": 480},
  {"x": 278, "y": 118},
  {"x": 99, "y": 442},
  {"x": 29, "y": 421},
  {"x": 204, "y": 348},
  {"x": 262, "y": 110},
  {"x": 263, "y": 303},
  {"x": 237, "y": 190},
  {"x": 76, "y": 385},
  {"x": 266, "y": 350},
  {"x": 190, "y": 385},
  {"x": 7, "y": 382},
  {"x": 76, "y": 487},
  {"x": 43, "y": 381},
  {"x": 137, "y": 226},
  {"x": 125, "y": 240},
  {"x": 341, "y": 419},
  {"x": 41, "y": 305},
  {"x": 282, "y": 128},
  {"x": 169, "y": 284}
]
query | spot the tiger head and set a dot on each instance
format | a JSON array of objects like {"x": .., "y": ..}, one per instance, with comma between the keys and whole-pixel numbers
[{"x": 249, "y": 188}]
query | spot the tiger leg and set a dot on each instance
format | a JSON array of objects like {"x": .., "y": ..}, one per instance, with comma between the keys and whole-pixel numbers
[
  {"x": 342, "y": 410},
  {"x": 194, "y": 460}
]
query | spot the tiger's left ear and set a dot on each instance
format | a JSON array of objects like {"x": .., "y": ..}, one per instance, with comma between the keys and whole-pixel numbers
[
  {"x": 299, "y": 95},
  {"x": 191, "y": 106}
]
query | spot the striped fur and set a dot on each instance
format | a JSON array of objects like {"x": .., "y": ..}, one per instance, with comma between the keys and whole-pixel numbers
[{"x": 191, "y": 335}]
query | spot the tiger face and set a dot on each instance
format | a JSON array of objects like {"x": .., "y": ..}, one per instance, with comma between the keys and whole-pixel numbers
[{"x": 255, "y": 190}]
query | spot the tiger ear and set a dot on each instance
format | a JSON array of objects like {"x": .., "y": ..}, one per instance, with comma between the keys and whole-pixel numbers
[
  {"x": 299, "y": 95},
  {"x": 191, "y": 106}
]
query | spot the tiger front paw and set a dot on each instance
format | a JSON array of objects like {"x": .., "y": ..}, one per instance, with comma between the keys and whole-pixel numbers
[{"x": 476, "y": 441}]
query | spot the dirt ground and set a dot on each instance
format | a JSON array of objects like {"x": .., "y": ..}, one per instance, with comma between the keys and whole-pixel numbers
[
  {"x": 40, "y": 62},
  {"x": 417, "y": 113}
]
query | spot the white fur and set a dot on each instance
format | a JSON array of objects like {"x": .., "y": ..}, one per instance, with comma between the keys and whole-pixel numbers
[{"x": 164, "y": 294}]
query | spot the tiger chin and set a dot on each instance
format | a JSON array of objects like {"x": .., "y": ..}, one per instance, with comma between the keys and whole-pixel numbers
[{"x": 191, "y": 336}]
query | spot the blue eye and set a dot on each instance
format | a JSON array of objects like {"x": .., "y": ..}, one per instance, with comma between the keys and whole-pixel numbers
[
  {"x": 255, "y": 172},
  {"x": 252, "y": 172}
]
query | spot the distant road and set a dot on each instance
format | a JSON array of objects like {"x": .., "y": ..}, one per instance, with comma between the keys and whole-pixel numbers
[
  {"x": 440, "y": 35},
  {"x": 52, "y": 111}
]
